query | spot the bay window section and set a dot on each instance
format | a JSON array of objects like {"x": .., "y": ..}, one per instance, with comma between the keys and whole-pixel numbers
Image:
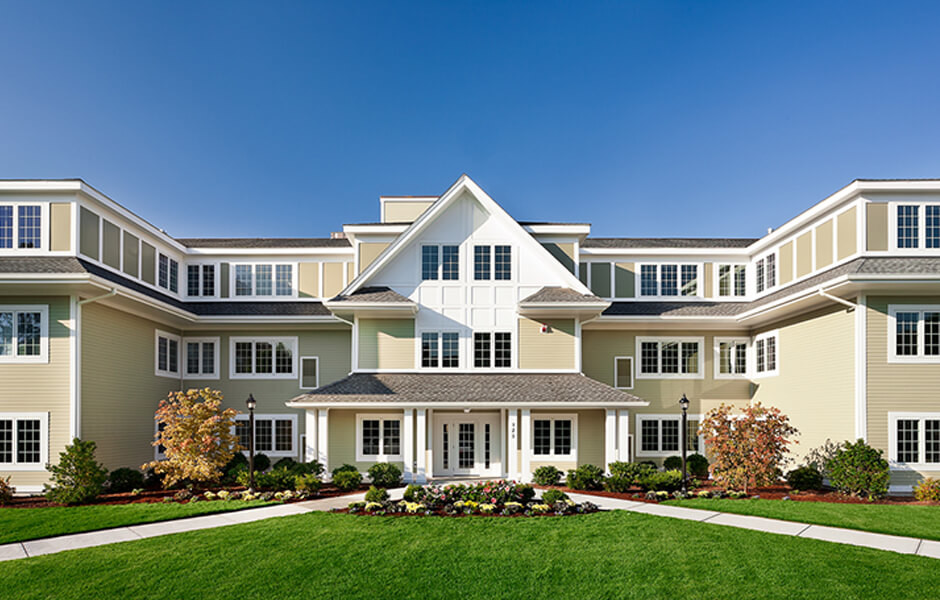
[
  {"x": 378, "y": 438},
  {"x": 665, "y": 358},
  {"x": 263, "y": 358},
  {"x": 21, "y": 226},
  {"x": 554, "y": 437},
  {"x": 6, "y": 227},
  {"x": 669, "y": 280},
  {"x": 908, "y": 228},
  {"x": 168, "y": 273}
]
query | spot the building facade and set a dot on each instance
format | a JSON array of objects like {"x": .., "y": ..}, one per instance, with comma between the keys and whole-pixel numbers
[{"x": 453, "y": 340}]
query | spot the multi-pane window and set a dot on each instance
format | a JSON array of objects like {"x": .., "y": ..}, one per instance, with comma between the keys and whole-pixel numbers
[
  {"x": 916, "y": 333},
  {"x": 440, "y": 349},
  {"x": 168, "y": 349},
  {"x": 915, "y": 438},
  {"x": 263, "y": 357},
  {"x": 23, "y": 440},
  {"x": 665, "y": 357},
  {"x": 450, "y": 263},
  {"x": 263, "y": 284},
  {"x": 201, "y": 357},
  {"x": 765, "y": 273},
  {"x": 492, "y": 350},
  {"x": 669, "y": 280},
  {"x": 429, "y": 349},
  {"x": 23, "y": 335},
  {"x": 274, "y": 434},
  {"x": 284, "y": 282},
  {"x": 732, "y": 280},
  {"x": 200, "y": 280},
  {"x": 482, "y": 350},
  {"x": 732, "y": 357},
  {"x": 6, "y": 227},
  {"x": 450, "y": 354},
  {"x": 28, "y": 441},
  {"x": 243, "y": 280},
  {"x": 492, "y": 262},
  {"x": 168, "y": 273},
  {"x": 765, "y": 354},
  {"x": 21, "y": 226},
  {"x": 481, "y": 262},
  {"x": 759, "y": 275},
  {"x": 916, "y": 222},
  {"x": 264, "y": 280},
  {"x": 502, "y": 349},
  {"x": 623, "y": 372},
  {"x": 502, "y": 263},
  {"x": 429, "y": 262},
  {"x": 908, "y": 226},
  {"x": 932, "y": 226},
  {"x": 378, "y": 438},
  {"x": 660, "y": 436},
  {"x": 552, "y": 436}
]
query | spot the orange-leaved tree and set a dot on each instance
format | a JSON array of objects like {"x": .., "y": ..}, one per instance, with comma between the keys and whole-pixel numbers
[
  {"x": 197, "y": 435},
  {"x": 748, "y": 449}
]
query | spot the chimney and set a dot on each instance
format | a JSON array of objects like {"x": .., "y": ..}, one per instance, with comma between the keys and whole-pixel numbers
[{"x": 338, "y": 235}]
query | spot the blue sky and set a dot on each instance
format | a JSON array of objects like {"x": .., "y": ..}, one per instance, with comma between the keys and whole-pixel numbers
[{"x": 646, "y": 118}]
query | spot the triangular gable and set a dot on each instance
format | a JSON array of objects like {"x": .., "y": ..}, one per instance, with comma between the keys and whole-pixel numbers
[{"x": 464, "y": 183}]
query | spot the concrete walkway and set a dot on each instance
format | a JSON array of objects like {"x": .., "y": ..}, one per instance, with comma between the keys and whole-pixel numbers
[{"x": 851, "y": 537}]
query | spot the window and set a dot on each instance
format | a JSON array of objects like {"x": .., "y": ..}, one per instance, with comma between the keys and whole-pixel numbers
[
  {"x": 21, "y": 226},
  {"x": 429, "y": 349},
  {"x": 309, "y": 372},
  {"x": 263, "y": 358},
  {"x": 502, "y": 265},
  {"x": 554, "y": 436},
  {"x": 264, "y": 280},
  {"x": 200, "y": 280},
  {"x": 167, "y": 354},
  {"x": 623, "y": 372},
  {"x": 168, "y": 273},
  {"x": 429, "y": 263},
  {"x": 492, "y": 350},
  {"x": 275, "y": 435},
  {"x": 450, "y": 264},
  {"x": 24, "y": 441},
  {"x": 932, "y": 226},
  {"x": 732, "y": 280},
  {"x": 670, "y": 358},
  {"x": 284, "y": 283},
  {"x": 202, "y": 358},
  {"x": 450, "y": 353},
  {"x": 915, "y": 226},
  {"x": 765, "y": 273},
  {"x": 6, "y": 226},
  {"x": 907, "y": 226},
  {"x": 765, "y": 354},
  {"x": 502, "y": 350},
  {"x": 440, "y": 349},
  {"x": 482, "y": 350},
  {"x": 915, "y": 439},
  {"x": 24, "y": 333},
  {"x": 481, "y": 263},
  {"x": 732, "y": 358},
  {"x": 669, "y": 280},
  {"x": 913, "y": 333},
  {"x": 440, "y": 262},
  {"x": 492, "y": 262},
  {"x": 378, "y": 438},
  {"x": 660, "y": 435}
]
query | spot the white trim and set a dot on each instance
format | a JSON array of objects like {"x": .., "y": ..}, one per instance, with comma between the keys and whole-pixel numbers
[
  {"x": 310, "y": 436},
  {"x": 617, "y": 372},
  {"x": 381, "y": 457},
  {"x": 551, "y": 456},
  {"x": 290, "y": 341},
  {"x": 660, "y": 340},
  {"x": 43, "y": 418},
  {"x": 75, "y": 370},
  {"x": 274, "y": 417},
  {"x": 157, "y": 334},
  {"x": 323, "y": 431},
  {"x": 184, "y": 360},
  {"x": 717, "y": 357},
  {"x": 467, "y": 405},
  {"x": 861, "y": 369},
  {"x": 512, "y": 456},
  {"x": 610, "y": 438},
  {"x": 763, "y": 337},
  {"x": 300, "y": 372},
  {"x": 623, "y": 435},
  {"x": 43, "y": 356},
  {"x": 921, "y": 463},
  {"x": 407, "y": 434},
  {"x": 659, "y": 433},
  {"x": 525, "y": 468},
  {"x": 421, "y": 445},
  {"x": 921, "y": 357}
]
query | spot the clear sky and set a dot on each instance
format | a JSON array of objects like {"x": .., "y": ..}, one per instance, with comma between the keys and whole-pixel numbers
[{"x": 644, "y": 118}]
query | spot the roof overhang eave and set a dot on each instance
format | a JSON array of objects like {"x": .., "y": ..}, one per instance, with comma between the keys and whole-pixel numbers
[{"x": 464, "y": 404}]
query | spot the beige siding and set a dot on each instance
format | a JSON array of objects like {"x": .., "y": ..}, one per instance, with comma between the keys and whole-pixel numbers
[
  {"x": 131, "y": 254},
  {"x": 332, "y": 279},
  {"x": 148, "y": 265},
  {"x": 386, "y": 344},
  {"x": 786, "y": 263},
  {"x": 405, "y": 212},
  {"x": 816, "y": 382},
  {"x": 41, "y": 387},
  {"x": 308, "y": 280},
  {"x": 564, "y": 253},
  {"x": 624, "y": 280},
  {"x": 877, "y": 225},
  {"x": 600, "y": 279},
  {"x": 60, "y": 226},
  {"x": 552, "y": 350},
  {"x": 350, "y": 271},
  {"x": 707, "y": 280},
  {"x": 341, "y": 439},
  {"x": 824, "y": 241},
  {"x": 368, "y": 252},
  {"x": 88, "y": 225},
  {"x": 847, "y": 243},
  {"x": 804, "y": 254},
  {"x": 111, "y": 245}
]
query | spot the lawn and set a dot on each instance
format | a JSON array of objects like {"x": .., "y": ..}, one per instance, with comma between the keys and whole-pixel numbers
[
  {"x": 605, "y": 555},
  {"x": 913, "y": 521},
  {"x": 21, "y": 524}
]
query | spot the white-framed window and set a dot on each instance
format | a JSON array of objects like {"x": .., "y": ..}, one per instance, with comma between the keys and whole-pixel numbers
[
  {"x": 492, "y": 262},
  {"x": 730, "y": 357},
  {"x": 21, "y": 226},
  {"x": 201, "y": 356},
  {"x": 766, "y": 359},
  {"x": 440, "y": 261},
  {"x": 166, "y": 354},
  {"x": 915, "y": 225},
  {"x": 309, "y": 372},
  {"x": 263, "y": 358},
  {"x": 201, "y": 280},
  {"x": 670, "y": 357},
  {"x": 623, "y": 372},
  {"x": 914, "y": 333},
  {"x": 24, "y": 441},
  {"x": 669, "y": 280},
  {"x": 731, "y": 280},
  {"x": 378, "y": 438},
  {"x": 265, "y": 280},
  {"x": 440, "y": 350},
  {"x": 765, "y": 273},
  {"x": 275, "y": 435},
  {"x": 659, "y": 435},
  {"x": 914, "y": 440},
  {"x": 555, "y": 437},
  {"x": 168, "y": 273},
  {"x": 24, "y": 333},
  {"x": 492, "y": 349}
]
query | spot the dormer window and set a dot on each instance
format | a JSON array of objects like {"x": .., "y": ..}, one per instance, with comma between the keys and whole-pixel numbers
[{"x": 669, "y": 280}]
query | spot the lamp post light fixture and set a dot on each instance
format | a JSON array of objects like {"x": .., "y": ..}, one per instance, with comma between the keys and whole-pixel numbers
[
  {"x": 251, "y": 442},
  {"x": 684, "y": 403}
]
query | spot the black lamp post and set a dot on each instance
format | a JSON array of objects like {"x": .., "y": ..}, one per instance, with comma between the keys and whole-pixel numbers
[
  {"x": 251, "y": 442},
  {"x": 684, "y": 403}
]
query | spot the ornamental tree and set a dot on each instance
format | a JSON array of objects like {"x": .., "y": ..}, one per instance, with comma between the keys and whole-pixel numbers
[
  {"x": 197, "y": 435},
  {"x": 748, "y": 449}
]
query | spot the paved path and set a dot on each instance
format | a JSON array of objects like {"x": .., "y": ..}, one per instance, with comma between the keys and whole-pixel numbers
[{"x": 879, "y": 541}]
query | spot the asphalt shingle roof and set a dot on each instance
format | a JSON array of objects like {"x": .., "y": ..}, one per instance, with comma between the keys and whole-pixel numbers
[
  {"x": 628, "y": 243},
  {"x": 560, "y": 294},
  {"x": 374, "y": 294},
  {"x": 41, "y": 264},
  {"x": 253, "y": 243}
]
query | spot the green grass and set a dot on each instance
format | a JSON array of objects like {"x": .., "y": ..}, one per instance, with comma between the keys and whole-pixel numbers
[
  {"x": 21, "y": 524},
  {"x": 913, "y": 521},
  {"x": 606, "y": 555}
]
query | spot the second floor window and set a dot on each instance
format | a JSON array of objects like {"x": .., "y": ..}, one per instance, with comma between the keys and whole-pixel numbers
[
  {"x": 168, "y": 273},
  {"x": 492, "y": 350},
  {"x": 765, "y": 273},
  {"x": 264, "y": 280},
  {"x": 916, "y": 222},
  {"x": 669, "y": 280},
  {"x": 201, "y": 357},
  {"x": 670, "y": 357},
  {"x": 23, "y": 333},
  {"x": 916, "y": 333},
  {"x": 440, "y": 350},
  {"x": 200, "y": 280},
  {"x": 263, "y": 357},
  {"x": 492, "y": 262},
  {"x": 732, "y": 280},
  {"x": 440, "y": 262},
  {"x": 20, "y": 226},
  {"x": 168, "y": 354},
  {"x": 732, "y": 357}
]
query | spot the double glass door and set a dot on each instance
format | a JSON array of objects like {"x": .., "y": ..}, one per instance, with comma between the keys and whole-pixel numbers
[{"x": 466, "y": 445}]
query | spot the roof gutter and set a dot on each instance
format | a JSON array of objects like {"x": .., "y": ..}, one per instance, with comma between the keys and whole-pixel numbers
[
  {"x": 852, "y": 306},
  {"x": 113, "y": 292}
]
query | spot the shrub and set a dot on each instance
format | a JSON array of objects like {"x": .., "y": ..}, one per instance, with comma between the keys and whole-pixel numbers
[
  {"x": 78, "y": 477},
  {"x": 412, "y": 492},
  {"x": 805, "y": 478},
  {"x": 546, "y": 475},
  {"x": 550, "y": 497},
  {"x": 125, "y": 480},
  {"x": 673, "y": 463},
  {"x": 198, "y": 437},
  {"x": 585, "y": 477},
  {"x": 376, "y": 494},
  {"x": 309, "y": 468},
  {"x": 483, "y": 492},
  {"x": 262, "y": 462},
  {"x": 660, "y": 480},
  {"x": 345, "y": 467},
  {"x": 926, "y": 490},
  {"x": 648, "y": 463},
  {"x": 385, "y": 475},
  {"x": 697, "y": 465},
  {"x": 749, "y": 449},
  {"x": 6, "y": 490},
  {"x": 820, "y": 457},
  {"x": 624, "y": 475},
  {"x": 525, "y": 492},
  {"x": 859, "y": 470},
  {"x": 287, "y": 462},
  {"x": 347, "y": 481},
  {"x": 307, "y": 483}
]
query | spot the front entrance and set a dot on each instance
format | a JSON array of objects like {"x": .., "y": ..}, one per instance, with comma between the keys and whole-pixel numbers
[{"x": 467, "y": 444}]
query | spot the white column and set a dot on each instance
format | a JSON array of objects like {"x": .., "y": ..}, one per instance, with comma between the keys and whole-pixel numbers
[
  {"x": 430, "y": 443},
  {"x": 512, "y": 457},
  {"x": 310, "y": 427},
  {"x": 408, "y": 435},
  {"x": 503, "y": 467},
  {"x": 526, "y": 426},
  {"x": 322, "y": 429},
  {"x": 623, "y": 435},
  {"x": 610, "y": 439},
  {"x": 421, "y": 430}
]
